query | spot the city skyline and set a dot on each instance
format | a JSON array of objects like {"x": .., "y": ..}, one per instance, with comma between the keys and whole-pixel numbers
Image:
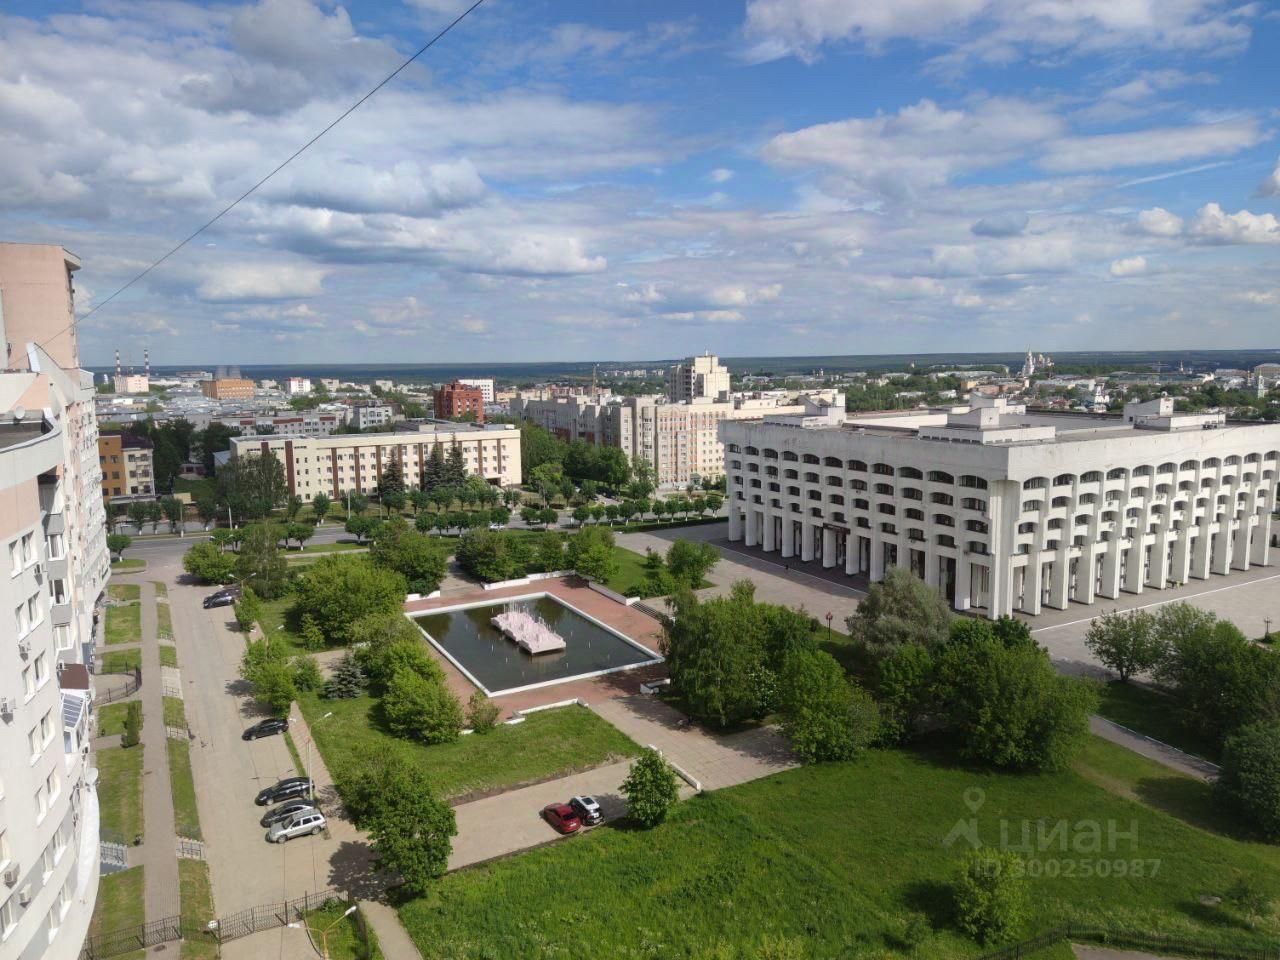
[{"x": 570, "y": 183}]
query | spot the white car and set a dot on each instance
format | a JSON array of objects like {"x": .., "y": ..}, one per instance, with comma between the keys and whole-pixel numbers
[
  {"x": 587, "y": 809},
  {"x": 310, "y": 822}
]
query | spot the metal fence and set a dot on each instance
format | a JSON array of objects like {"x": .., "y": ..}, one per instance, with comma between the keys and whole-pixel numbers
[
  {"x": 253, "y": 920},
  {"x": 131, "y": 686},
  {"x": 1130, "y": 940}
]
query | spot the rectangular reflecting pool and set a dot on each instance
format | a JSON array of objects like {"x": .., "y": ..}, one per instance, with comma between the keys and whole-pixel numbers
[{"x": 494, "y": 662}]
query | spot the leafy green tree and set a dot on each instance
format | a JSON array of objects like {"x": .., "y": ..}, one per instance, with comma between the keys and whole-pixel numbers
[
  {"x": 487, "y": 556},
  {"x": 902, "y": 608},
  {"x": 581, "y": 515},
  {"x": 396, "y": 652},
  {"x": 482, "y": 713},
  {"x": 549, "y": 549},
  {"x": 266, "y": 665},
  {"x": 991, "y": 895},
  {"x": 904, "y": 679},
  {"x": 207, "y": 509},
  {"x": 825, "y": 716},
  {"x": 538, "y": 447},
  {"x": 411, "y": 828},
  {"x": 346, "y": 682},
  {"x": 690, "y": 561},
  {"x": 651, "y": 788},
  {"x": 174, "y": 510},
  {"x": 1010, "y": 708},
  {"x": 547, "y": 516},
  {"x": 320, "y": 505},
  {"x": 500, "y": 515},
  {"x": 546, "y": 480},
  {"x": 214, "y": 438},
  {"x": 207, "y": 563},
  {"x": 252, "y": 484},
  {"x": 247, "y": 609},
  {"x": 137, "y": 514},
  {"x": 590, "y": 553},
  {"x": 337, "y": 591},
  {"x": 1250, "y": 776},
  {"x": 306, "y": 674},
  {"x": 222, "y": 538},
  {"x": 714, "y": 502},
  {"x": 422, "y": 708},
  {"x": 302, "y": 532},
  {"x": 358, "y": 503},
  {"x": 154, "y": 515},
  {"x": 312, "y": 635},
  {"x": 1125, "y": 642},
  {"x": 530, "y": 515},
  {"x": 259, "y": 557},
  {"x": 420, "y": 559},
  {"x": 292, "y": 507},
  {"x": 359, "y": 527},
  {"x": 118, "y": 543}
]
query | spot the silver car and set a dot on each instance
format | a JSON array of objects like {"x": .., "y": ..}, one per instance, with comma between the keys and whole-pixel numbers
[{"x": 310, "y": 822}]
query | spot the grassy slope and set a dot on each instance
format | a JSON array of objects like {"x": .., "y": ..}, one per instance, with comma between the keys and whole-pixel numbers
[
  {"x": 124, "y": 624},
  {"x": 120, "y": 790},
  {"x": 630, "y": 571},
  {"x": 553, "y": 743},
  {"x": 1155, "y": 715},
  {"x": 833, "y": 856}
]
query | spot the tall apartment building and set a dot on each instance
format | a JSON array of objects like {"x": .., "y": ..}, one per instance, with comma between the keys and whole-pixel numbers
[
  {"x": 297, "y": 386},
  {"x": 128, "y": 468},
  {"x": 227, "y": 388},
  {"x": 698, "y": 378},
  {"x": 308, "y": 424},
  {"x": 484, "y": 385},
  {"x": 1008, "y": 511},
  {"x": 334, "y": 465},
  {"x": 55, "y": 568},
  {"x": 371, "y": 415},
  {"x": 458, "y": 400}
]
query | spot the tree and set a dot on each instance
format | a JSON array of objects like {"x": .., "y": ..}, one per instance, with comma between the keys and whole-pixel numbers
[
  {"x": 358, "y": 503},
  {"x": 292, "y": 507},
  {"x": 346, "y": 682},
  {"x": 902, "y": 608},
  {"x": 591, "y": 554},
  {"x": 411, "y": 828},
  {"x": 422, "y": 707},
  {"x": 306, "y": 674},
  {"x": 486, "y": 555},
  {"x": 581, "y": 515},
  {"x": 690, "y": 562},
  {"x": 259, "y": 557},
  {"x": 482, "y": 713},
  {"x": 359, "y": 527},
  {"x": 549, "y": 549},
  {"x": 825, "y": 716},
  {"x": 455, "y": 469},
  {"x": 420, "y": 559},
  {"x": 207, "y": 563},
  {"x": 302, "y": 532},
  {"x": 214, "y": 438},
  {"x": 337, "y": 591},
  {"x": 174, "y": 510},
  {"x": 312, "y": 635},
  {"x": 1125, "y": 642},
  {"x": 433, "y": 469},
  {"x": 131, "y": 735},
  {"x": 266, "y": 665},
  {"x": 530, "y": 515},
  {"x": 252, "y": 484},
  {"x": 137, "y": 514},
  {"x": 247, "y": 609},
  {"x": 904, "y": 679},
  {"x": 207, "y": 509},
  {"x": 991, "y": 895},
  {"x": 392, "y": 479},
  {"x": 538, "y": 447},
  {"x": 548, "y": 517},
  {"x": 118, "y": 543},
  {"x": 154, "y": 515},
  {"x": 320, "y": 505},
  {"x": 1010, "y": 708},
  {"x": 222, "y": 538},
  {"x": 651, "y": 788},
  {"x": 500, "y": 515},
  {"x": 1250, "y": 776},
  {"x": 546, "y": 480}
]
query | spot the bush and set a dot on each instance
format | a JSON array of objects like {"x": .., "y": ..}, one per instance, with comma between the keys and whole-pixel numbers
[
  {"x": 990, "y": 895},
  {"x": 689, "y": 562},
  {"x": 247, "y": 609},
  {"x": 346, "y": 682},
  {"x": 1125, "y": 642},
  {"x": 482, "y": 713},
  {"x": 1253, "y": 897},
  {"x": 338, "y": 591},
  {"x": 904, "y": 680},
  {"x": 411, "y": 828},
  {"x": 381, "y": 663},
  {"x": 266, "y": 664},
  {"x": 590, "y": 553},
  {"x": 208, "y": 564},
  {"x": 132, "y": 733},
  {"x": 306, "y": 674},
  {"x": 650, "y": 788},
  {"x": 310, "y": 632},
  {"x": 421, "y": 707},
  {"x": 825, "y": 716},
  {"x": 420, "y": 559},
  {"x": 900, "y": 609},
  {"x": 1250, "y": 774}
]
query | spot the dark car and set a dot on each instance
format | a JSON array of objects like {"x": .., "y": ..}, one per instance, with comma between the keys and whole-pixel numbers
[
  {"x": 562, "y": 817},
  {"x": 265, "y": 728},
  {"x": 587, "y": 809},
  {"x": 286, "y": 811},
  {"x": 290, "y": 788},
  {"x": 223, "y": 598}
]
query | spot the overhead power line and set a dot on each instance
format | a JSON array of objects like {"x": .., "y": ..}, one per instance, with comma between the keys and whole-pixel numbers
[{"x": 288, "y": 160}]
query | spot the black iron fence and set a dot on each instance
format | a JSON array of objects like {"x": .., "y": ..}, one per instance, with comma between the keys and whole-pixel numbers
[
  {"x": 1130, "y": 940},
  {"x": 132, "y": 683},
  {"x": 266, "y": 916}
]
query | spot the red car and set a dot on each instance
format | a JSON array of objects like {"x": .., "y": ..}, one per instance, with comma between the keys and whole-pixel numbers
[{"x": 562, "y": 817}]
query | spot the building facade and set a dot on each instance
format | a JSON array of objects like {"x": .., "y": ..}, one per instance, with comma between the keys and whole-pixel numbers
[
  {"x": 227, "y": 388},
  {"x": 297, "y": 386},
  {"x": 372, "y": 415},
  {"x": 698, "y": 378},
  {"x": 355, "y": 462},
  {"x": 128, "y": 468},
  {"x": 55, "y": 569},
  {"x": 485, "y": 386},
  {"x": 309, "y": 424},
  {"x": 1006, "y": 511},
  {"x": 458, "y": 400}
]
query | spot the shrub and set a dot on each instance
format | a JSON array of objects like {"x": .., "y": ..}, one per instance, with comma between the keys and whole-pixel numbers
[
  {"x": 421, "y": 707},
  {"x": 650, "y": 788},
  {"x": 590, "y": 553},
  {"x": 338, "y": 591},
  {"x": 132, "y": 733},
  {"x": 904, "y": 681},
  {"x": 411, "y": 828},
  {"x": 306, "y": 674},
  {"x": 900, "y": 609},
  {"x": 689, "y": 562},
  {"x": 1251, "y": 774},
  {"x": 420, "y": 559},
  {"x": 482, "y": 713},
  {"x": 208, "y": 564},
  {"x": 247, "y": 609},
  {"x": 1253, "y": 897},
  {"x": 310, "y": 632},
  {"x": 990, "y": 895},
  {"x": 825, "y": 716},
  {"x": 346, "y": 682},
  {"x": 381, "y": 663}
]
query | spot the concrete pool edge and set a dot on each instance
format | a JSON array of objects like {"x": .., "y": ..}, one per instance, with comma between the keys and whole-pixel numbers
[{"x": 412, "y": 616}]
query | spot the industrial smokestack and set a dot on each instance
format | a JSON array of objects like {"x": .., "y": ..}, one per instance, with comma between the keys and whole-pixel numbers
[
  {"x": 146, "y": 362},
  {"x": 117, "y": 361}
]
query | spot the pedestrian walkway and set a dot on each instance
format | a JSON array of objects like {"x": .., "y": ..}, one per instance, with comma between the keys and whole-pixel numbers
[{"x": 1161, "y": 753}]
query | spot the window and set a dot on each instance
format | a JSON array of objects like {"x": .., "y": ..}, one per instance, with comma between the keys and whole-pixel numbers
[
  {"x": 943, "y": 498},
  {"x": 42, "y": 806},
  {"x": 938, "y": 476},
  {"x": 29, "y": 681},
  {"x": 883, "y": 468},
  {"x": 42, "y": 669},
  {"x": 15, "y": 556},
  {"x": 1063, "y": 480},
  {"x": 33, "y": 743},
  {"x": 884, "y": 489},
  {"x": 8, "y": 917},
  {"x": 46, "y": 727}
]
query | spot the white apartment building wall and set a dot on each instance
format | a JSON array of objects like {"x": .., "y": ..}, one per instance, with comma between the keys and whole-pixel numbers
[
  {"x": 703, "y": 377},
  {"x": 484, "y": 385},
  {"x": 297, "y": 386},
  {"x": 373, "y": 415},
  {"x": 1006, "y": 511},
  {"x": 302, "y": 425},
  {"x": 333, "y": 465}
]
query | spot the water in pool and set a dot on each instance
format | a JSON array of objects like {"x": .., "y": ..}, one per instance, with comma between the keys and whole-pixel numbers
[{"x": 499, "y": 664}]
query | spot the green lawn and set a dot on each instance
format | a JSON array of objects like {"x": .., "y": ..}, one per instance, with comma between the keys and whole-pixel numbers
[
  {"x": 121, "y": 661},
  {"x": 549, "y": 744},
  {"x": 120, "y": 791},
  {"x": 199, "y": 488},
  {"x": 127, "y": 565},
  {"x": 275, "y": 621},
  {"x": 1153, "y": 714},
  {"x": 195, "y": 895},
  {"x": 630, "y": 571},
  {"x": 162, "y": 590},
  {"x": 123, "y": 624},
  {"x": 120, "y": 903},
  {"x": 175, "y": 715},
  {"x": 834, "y": 856},
  {"x": 299, "y": 768},
  {"x": 125, "y": 592},
  {"x": 344, "y": 941},
  {"x": 186, "y": 816},
  {"x": 111, "y": 719},
  {"x": 168, "y": 655},
  {"x": 164, "y": 621}
]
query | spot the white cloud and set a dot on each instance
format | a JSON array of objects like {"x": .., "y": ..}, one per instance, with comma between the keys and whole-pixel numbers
[
  {"x": 1159, "y": 222},
  {"x": 1212, "y": 224},
  {"x": 406, "y": 187},
  {"x": 258, "y": 281},
  {"x": 1000, "y": 225},
  {"x": 1270, "y": 187},
  {"x": 1260, "y": 298},
  {"x": 720, "y": 175},
  {"x": 1129, "y": 266},
  {"x": 1140, "y": 148}
]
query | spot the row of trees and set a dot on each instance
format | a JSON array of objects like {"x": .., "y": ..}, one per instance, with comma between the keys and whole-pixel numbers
[
  {"x": 632, "y": 510},
  {"x": 494, "y": 555}
]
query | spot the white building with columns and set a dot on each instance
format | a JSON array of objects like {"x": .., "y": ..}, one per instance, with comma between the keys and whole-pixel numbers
[{"x": 1004, "y": 510}]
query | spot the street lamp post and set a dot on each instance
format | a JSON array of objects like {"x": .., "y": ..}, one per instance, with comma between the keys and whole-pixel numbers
[
  {"x": 829, "y": 616},
  {"x": 324, "y": 935}
]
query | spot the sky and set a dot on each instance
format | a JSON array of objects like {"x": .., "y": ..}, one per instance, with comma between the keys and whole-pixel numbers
[{"x": 648, "y": 179}]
